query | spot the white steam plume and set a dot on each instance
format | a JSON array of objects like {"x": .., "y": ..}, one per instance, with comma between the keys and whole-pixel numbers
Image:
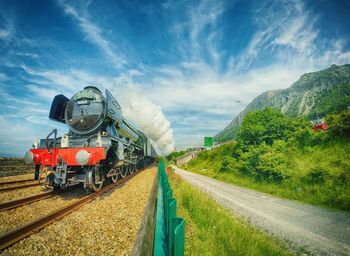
[{"x": 150, "y": 119}]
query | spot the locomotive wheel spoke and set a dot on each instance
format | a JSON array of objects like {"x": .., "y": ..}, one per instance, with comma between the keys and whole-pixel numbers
[
  {"x": 123, "y": 171},
  {"x": 116, "y": 176}
]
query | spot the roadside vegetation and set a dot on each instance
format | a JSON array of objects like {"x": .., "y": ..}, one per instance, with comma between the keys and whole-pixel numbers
[
  {"x": 285, "y": 157},
  {"x": 213, "y": 230},
  {"x": 172, "y": 157}
]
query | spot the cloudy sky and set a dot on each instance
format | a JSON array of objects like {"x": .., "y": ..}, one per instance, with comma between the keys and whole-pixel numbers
[{"x": 195, "y": 59}]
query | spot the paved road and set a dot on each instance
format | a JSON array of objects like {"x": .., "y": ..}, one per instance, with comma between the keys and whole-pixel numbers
[{"x": 320, "y": 231}]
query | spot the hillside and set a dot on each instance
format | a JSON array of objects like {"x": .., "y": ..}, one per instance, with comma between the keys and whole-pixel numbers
[
  {"x": 326, "y": 90},
  {"x": 283, "y": 156}
]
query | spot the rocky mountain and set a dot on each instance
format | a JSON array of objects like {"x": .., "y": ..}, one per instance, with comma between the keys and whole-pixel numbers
[{"x": 317, "y": 93}]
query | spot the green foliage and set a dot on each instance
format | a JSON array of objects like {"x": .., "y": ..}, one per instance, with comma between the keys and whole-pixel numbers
[
  {"x": 333, "y": 100},
  {"x": 315, "y": 176},
  {"x": 225, "y": 164},
  {"x": 227, "y": 134},
  {"x": 172, "y": 156},
  {"x": 264, "y": 162},
  {"x": 339, "y": 124},
  {"x": 265, "y": 126}
]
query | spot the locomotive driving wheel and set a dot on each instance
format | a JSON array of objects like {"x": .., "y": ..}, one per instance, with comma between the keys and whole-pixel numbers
[
  {"x": 116, "y": 176},
  {"x": 94, "y": 178},
  {"x": 131, "y": 168},
  {"x": 123, "y": 171}
]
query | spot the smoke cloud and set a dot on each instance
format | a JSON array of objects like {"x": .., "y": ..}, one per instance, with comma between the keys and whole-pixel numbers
[{"x": 150, "y": 119}]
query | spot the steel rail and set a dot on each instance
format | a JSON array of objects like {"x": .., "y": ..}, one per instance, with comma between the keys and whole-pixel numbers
[
  {"x": 26, "y": 200},
  {"x": 19, "y": 187},
  {"x": 17, "y": 166},
  {"x": 11, "y": 237},
  {"x": 15, "y": 181}
]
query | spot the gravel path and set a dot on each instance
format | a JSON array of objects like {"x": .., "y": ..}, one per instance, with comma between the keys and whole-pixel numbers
[
  {"x": 106, "y": 226},
  {"x": 318, "y": 230}
]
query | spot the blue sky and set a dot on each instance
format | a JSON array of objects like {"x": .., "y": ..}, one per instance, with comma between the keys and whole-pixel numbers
[{"x": 194, "y": 59}]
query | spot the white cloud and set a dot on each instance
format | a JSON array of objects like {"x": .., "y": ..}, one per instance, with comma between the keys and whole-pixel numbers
[
  {"x": 46, "y": 93},
  {"x": 27, "y": 54},
  {"x": 93, "y": 32},
  {"x": 191, "y": 32},
  {"x": 4, "y": 34}
]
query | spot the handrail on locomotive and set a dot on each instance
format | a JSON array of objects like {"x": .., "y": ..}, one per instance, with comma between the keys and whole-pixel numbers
[{"x": 54, "y": 131}]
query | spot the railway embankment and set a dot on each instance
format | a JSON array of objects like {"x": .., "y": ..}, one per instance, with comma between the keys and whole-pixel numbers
[{"x": 106, "y": 226}]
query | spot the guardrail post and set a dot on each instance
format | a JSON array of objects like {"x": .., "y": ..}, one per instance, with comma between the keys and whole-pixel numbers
[
  {"x": 171, "y": 215},
  {"x": 170, "y": 230},
  {"x": 178, "y": 231}
]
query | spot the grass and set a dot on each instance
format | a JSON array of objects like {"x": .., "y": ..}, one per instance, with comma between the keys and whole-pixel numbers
[
  {"x": 213, "y": 230},
  {"x": 318, "y": 175}
]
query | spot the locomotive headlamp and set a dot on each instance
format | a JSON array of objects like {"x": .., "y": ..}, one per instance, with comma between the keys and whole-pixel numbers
[
  {"x": 29, "y": 157},
  {"x": 82, "y": 157}
]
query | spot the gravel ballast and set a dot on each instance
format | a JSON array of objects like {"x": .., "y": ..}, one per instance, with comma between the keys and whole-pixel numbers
[
  {"x": 19, "y": 216},
  {"x": 106, "y": 226},
  {"x": 20, "y": 193},
  {"x": 17, "y": 177}
]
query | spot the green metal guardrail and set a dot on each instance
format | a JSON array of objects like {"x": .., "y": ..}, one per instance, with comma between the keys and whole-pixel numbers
[{"x": 169, "y": 239}]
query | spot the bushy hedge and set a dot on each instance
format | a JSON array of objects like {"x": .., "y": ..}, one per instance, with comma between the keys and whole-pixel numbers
[
  {"x": 339, "y": 124},
  {"x": 267, "y": 136}
]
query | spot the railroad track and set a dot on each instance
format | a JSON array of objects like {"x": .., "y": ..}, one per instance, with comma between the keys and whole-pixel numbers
[
  {"x": 9, "y": 238},
  {"x": 19, "y": 187},
  {"x": 26, "y": 200},
  {"x": 3, "y": 183}
]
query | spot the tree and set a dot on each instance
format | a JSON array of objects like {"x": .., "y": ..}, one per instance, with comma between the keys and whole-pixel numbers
[
  {"x": 265, "y": 126},
  {"x": 339, "y": 124}
]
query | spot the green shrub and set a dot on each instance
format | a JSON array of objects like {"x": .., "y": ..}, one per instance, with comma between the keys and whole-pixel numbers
[
  {"x": 303, "y": 137},
  {"x": 279, "y": 145},
  {"x": 339, "y": 124},
  {"x": 343, "y": 178},
  {"x": 271, "y": 167},
  {"x": 265, "y": 126},
  {"x": 315, "y": 176},
  {"x": 224, "y": 167}
]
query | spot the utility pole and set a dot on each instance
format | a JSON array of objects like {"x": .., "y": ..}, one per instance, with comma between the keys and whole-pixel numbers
[{"x": 239, "y": 114}]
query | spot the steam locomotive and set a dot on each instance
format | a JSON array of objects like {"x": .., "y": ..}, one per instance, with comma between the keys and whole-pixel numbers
[{"x": 101, "y": 144}]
